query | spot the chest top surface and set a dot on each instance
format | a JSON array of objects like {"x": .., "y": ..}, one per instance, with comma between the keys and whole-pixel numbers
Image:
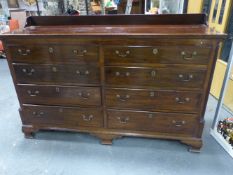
[
  {"x": 182, "y": 25},
  {"x": 113, "y": 82}
]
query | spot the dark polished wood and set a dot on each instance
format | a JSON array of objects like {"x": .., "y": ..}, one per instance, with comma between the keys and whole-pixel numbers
[
  {"x": 179, "y": 54},
  {"x": 73, "y": 116},
  {"x": 166, "y": 19},
  {"x": 155, "y": 77},
  {"x": 113, "y": 76},
  {"x": 153, "y": 121},
  {"x": 60, "y": 95},
  {"x": 58, "y": 74},
  {"x": 154, "y": 100},
  {"x": 54, "y": 53}
]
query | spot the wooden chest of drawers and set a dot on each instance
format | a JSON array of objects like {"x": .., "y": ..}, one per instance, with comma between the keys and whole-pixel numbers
[{"x": 114, "y": 76}]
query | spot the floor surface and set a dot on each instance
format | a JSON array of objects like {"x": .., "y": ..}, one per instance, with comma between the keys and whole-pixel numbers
[{"x": 62, "y": 153}]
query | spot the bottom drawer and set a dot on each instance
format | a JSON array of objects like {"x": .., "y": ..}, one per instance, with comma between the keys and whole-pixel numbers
[
  {"x": 152, "y": 121},
  {"x": 67, "y": 116}
]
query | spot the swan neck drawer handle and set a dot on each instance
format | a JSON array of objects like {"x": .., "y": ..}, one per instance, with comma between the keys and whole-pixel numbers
[
  {"x": 182, "y": 101},
  {"x": 82, "y": 73},
  {"x": 120, "y": 54},
  {"x": 83, "y": 95},
  {"x": 24, "y": 52},
  {"x": 33, "y": 94},
  {"x": 178, "y": 123},
  {"x": 28, "y": 72},
  {"x": 38, "y": 114},
  {"x": 127, "y": 74},
  {"x": 190, "y": 57},
  {"x": 80, "y": 53},
  {"x": 119, "y": 97},
  {"x": 185, "y": 78},
  {"x": 123, "y": 120},
  {"x": 87, "y": 117}
]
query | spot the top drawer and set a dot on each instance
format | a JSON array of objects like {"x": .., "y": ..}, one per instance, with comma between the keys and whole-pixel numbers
[
  {"x": 157, "y": 54},
  {"x": 53, "y": 53}
]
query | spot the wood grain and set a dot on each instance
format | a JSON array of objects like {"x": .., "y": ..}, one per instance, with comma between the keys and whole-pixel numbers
[{"x": 114, "y": 76}]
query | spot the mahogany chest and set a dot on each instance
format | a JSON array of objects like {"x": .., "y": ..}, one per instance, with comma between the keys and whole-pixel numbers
[{"x": 114, "y": 76}]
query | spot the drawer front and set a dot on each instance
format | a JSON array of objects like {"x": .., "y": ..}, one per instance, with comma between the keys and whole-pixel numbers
[
  {"x": 70, "y": 116},
  {"x": 50, "y": 74},
  {"x": 29, "y": 53},
  {"x": 60, "y": 95},
  {"x": 77, "y": 53},
  {"x": 54, "y": 54},
  {"x": 157, "y": 54},
  {"x": 173, "y": 123},
  {"x": 155, "y": 77},
  {"x": 153, "y": 100}
]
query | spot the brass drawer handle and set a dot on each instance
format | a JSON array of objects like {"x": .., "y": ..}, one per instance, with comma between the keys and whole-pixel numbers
[
  {"x": 182, "y": 101},
  {"x": 24, "y": 52},
  {"x": 185, "y": 78},
  {"x": 123, "y": 119},
  {"x": 117, "y": 52},
  {"x": 38, "y": 114},
  {"x": 28, "y": 72},
  {"x": 155, "y": 51},
  {"x": 178, "y": 123},
  {"x": 87, "y": 117},
  {"x": 127, "y": 74},
  {"x": 119, "y": 97},
  {"x": 83, "y": 95},
  {"x": 33, "y": 94},
  {"x": 80, "y": 53},
  {"x": 191, "y": 57},
  {"x": 83, "y": 73},
  {"x": 51, "y": 50}
]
